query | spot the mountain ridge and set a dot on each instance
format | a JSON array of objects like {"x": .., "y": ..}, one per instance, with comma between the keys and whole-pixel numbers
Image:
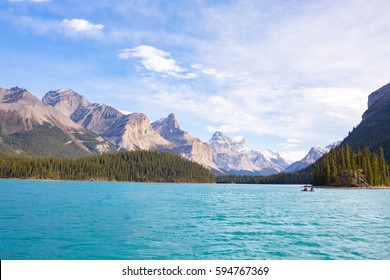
[
  {"x": 130, "y": 132},
  {"x": 22, "y": 115}
]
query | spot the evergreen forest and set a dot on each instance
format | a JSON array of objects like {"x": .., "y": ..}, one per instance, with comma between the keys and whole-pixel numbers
[
  {"x": 135, "y": 166},
  {"x": 342, "y": 166}
]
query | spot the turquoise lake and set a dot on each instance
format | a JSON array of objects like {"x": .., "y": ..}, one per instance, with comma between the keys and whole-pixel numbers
[{"x": 104, "y": 220}]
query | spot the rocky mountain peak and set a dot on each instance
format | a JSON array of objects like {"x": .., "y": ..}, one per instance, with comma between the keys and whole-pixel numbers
[
  {"x": 232, "y": 155},
  {"x": 218, "y": 136},
  {"x": 14, "y": 94},
  {"x": 31, "y": 110},
  {"x": 314, "y": 154},
  {"x": 172, "y": 122},
  {"x": 134, "y": 132},
  {"x": 166, "y": 125},
  {"x": 377, "y": 101},
  {"x": 188, "y": 146},
  {"x": 275, "y": 158},
  {"x": 378, "y": 94},
  {"x": 221, "y": 142},
  {"x": 66, "y": 100}
]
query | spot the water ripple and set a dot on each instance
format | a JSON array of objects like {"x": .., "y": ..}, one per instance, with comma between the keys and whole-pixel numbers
[{"x": 86, "y": 220}]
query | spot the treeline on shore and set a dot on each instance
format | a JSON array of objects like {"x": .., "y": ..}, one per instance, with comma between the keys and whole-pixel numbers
[
  {"x": 343, "y": 166},
  {"x": 135, "y": 166},
  {"x": 304, "y": 176}
]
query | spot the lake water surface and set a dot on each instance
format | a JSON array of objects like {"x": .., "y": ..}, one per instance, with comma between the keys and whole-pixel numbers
[{"x": 95, "y": 220}]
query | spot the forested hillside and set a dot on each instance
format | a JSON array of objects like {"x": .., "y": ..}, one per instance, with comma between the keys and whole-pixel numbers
[
  {"x": 137, "y": 166},
  {"x": 47, "y": 140},
  {"x": 343, "y": 166}
]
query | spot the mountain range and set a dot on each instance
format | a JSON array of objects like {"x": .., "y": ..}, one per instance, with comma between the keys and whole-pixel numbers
[
  {"x": 130, "y": 132},
  {"x": 65, "y": 123},
  {"x": 232, "y": 155}
]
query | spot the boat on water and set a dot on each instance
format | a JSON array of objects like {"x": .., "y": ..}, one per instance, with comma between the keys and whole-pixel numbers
[{"x": 307, "y": 189}]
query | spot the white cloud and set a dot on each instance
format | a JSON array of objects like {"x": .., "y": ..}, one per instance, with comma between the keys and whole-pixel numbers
[
  {"x": 156, "y": 60},
  {"x": 337, "y": 103},
  {"x": 216, "y": 74},
  {"x": 66, "y": 28},
  {"x": 197, "y": 66},
  {"x": 81, "y": 27},
  {"x": 160, "y": 61}
]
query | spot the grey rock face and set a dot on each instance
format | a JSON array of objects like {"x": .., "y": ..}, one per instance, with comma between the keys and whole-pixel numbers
[
  {"x": 22, "y": 111},
  {"x": 232, "y": 155},
  {"x": 378, "y": 94},
  {"x": 131, "y": 132},
  {"x": 377, "y": 101},
  {"x": 31, "y": 110},
  {"x": 189, "y": 147}
]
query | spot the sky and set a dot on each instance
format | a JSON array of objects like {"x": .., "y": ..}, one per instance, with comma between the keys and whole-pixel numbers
[{"x": 286, "y": 75}]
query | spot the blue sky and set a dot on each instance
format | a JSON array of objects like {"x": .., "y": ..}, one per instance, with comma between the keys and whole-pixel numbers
[{"x": 286, "y": 75}]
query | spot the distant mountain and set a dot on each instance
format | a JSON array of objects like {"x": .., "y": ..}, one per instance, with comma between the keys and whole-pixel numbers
[
  {"x": 130, "y": 132},
  {"x": 275, "y": 158},
  {"x": 314, "y": 154},
  {"x": 374, "y": 129},
  {"x": 188, "y": 146},
  {"x": 27, "y": 126},
  {"x": 232, "y": 155}
]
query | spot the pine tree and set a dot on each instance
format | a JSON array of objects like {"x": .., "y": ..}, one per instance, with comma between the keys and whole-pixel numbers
[{"x": 384, "y": 176}]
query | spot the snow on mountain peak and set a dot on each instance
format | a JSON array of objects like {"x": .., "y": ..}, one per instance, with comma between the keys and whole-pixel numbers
[
  {"x": 65, "y": 90},
  {"x": 268, "y": 154},
  {"x": 238, "y": 139}
]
